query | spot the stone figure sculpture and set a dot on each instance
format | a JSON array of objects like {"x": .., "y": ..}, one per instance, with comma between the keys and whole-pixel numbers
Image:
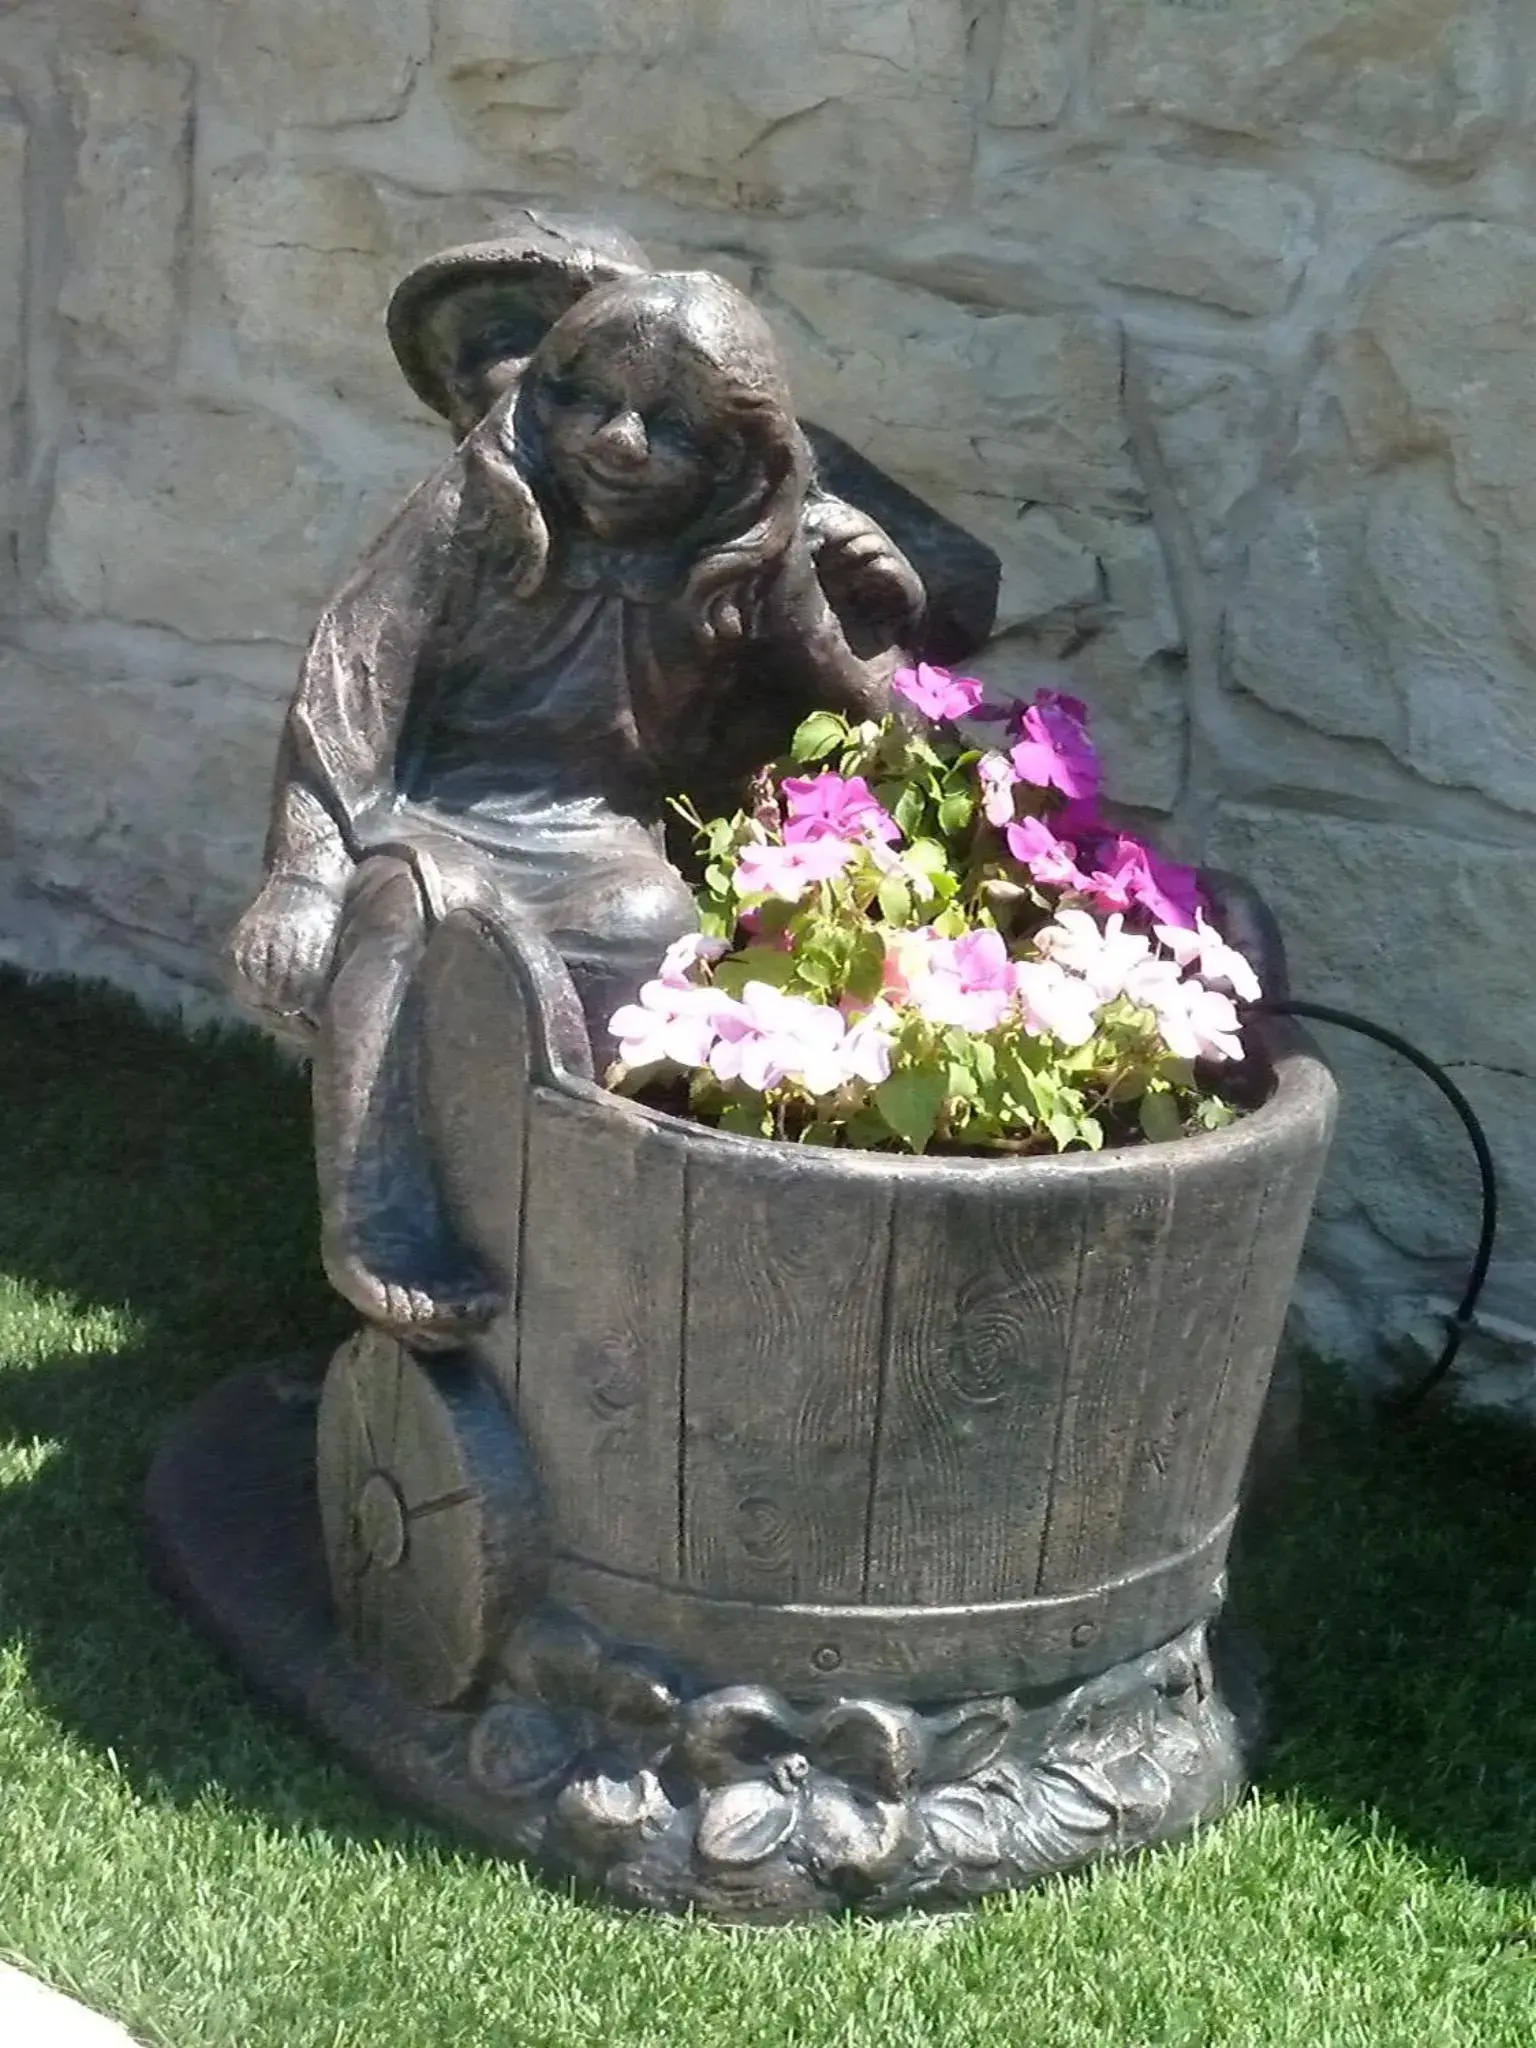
[
  {"x": 626, "y": 582},
  {"x": 754, "y": 1527}
]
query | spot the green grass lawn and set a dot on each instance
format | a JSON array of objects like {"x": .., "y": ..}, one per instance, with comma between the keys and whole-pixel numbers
[{"x": 177, "y": 1859}]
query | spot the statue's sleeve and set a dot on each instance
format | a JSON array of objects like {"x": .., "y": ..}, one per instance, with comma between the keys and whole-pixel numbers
[
  {"x": 336, "y": 757},
  {"x": 810, "y": 659}
]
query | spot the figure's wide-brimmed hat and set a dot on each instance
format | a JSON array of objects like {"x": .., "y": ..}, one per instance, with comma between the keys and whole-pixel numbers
[{"x": 546, "y": 264}]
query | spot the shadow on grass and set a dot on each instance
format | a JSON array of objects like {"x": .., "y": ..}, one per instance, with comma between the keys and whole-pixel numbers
[{"x": 173, "y": 1183}]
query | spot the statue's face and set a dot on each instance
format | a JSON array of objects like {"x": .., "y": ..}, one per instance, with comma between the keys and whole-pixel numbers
[{"x": 630, "y": 437}]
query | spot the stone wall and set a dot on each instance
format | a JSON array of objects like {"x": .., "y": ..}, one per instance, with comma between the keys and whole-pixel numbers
[{"x": 1215, "y": 316}]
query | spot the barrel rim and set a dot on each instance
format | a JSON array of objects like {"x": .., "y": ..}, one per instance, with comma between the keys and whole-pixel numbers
[{"x": 1299, "y": 1108}]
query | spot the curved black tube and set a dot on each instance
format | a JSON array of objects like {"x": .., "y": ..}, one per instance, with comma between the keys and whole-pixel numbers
[{"x": 1461, "y": 1321}]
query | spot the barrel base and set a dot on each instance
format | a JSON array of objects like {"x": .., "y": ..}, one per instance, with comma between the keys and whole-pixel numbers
[{"x": 600, "y": 1765}]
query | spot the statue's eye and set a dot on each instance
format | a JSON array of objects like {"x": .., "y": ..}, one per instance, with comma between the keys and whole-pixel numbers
[
  {"x": 667, "y": 423},
  {"x": 572, "y": 394}
]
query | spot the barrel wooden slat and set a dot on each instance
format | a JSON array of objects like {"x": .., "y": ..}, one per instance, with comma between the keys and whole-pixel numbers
[
  {"x": 475, "y": 1049},
  {"x": 600, "y": 1311},
  {"x": 979, "y": 1338},
  {"x": 1189, "y": 1335},
  {"x": 786, "y": 1275},
  {"x": 1281, "y": 1216},
  {"x": 1119, "y": 1283}
]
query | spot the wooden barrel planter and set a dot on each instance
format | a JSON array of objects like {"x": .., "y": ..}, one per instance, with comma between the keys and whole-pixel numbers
[{"x": 821, "y": 1440}]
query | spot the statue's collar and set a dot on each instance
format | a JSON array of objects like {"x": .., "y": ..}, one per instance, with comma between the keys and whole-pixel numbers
[{"x": 644, "y": 575}]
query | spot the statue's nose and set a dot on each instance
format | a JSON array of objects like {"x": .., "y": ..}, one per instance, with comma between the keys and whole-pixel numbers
[{"x": 622, "y": 440}]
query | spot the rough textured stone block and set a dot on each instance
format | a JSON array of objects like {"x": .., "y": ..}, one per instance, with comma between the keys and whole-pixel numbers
[
  {"x": 951, "y": 400},
  {"x": 727, "y": 101},
  {"x": 1236, "y": 239},
  {"x": 126, "y": 212},
  {"x": 1033, "y": 75},
  {"x": 220, "y": 525},
  {"x": 300, "y": 63},
  {"x": 144, "y": 807},
  {"x": 1424, "y": 81},
  {"x": 1393, "y": 593}
]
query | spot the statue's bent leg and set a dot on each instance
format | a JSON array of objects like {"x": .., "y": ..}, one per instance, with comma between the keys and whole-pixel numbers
[{"x": 388, "y": 1245}]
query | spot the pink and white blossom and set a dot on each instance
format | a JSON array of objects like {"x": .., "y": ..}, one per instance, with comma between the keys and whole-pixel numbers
[
  {"x": 771, "y": 1036},
  {"x": 995, "y": 773},
  {"x": 693, "y": 949},
  {"x": 1054, "y": 750},
  {"x": 1218, "y": 965},
  {"x": 669, "y": 1023},
  {"x": 1051, "y": 861},
  {"x": 1199, "y": 1023},
  {"x": 832, "y": 806},
  {"x": 1055, "y": 1001},
  {"x": 1104, "y": 955},
  {"x": 788, "y": 871},
  {"x": 935, "y": 692},
  {"x": 967, "y": 981}
]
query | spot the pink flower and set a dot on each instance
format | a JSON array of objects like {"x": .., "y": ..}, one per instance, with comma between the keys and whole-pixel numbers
[
  {"x": 773, "y": 1037},
  {"x": 1056, "y": 1002},
  {"x": 867, "y": 1049},
  {"x": 906, "y": 962},
  {"x": 1052, "y": 861},
  {"x": 1218, "y": 965},
  {"x": 788, "y": 871},
  {"x": 670, "y": 1024},
  {"x": 1131, "y": 873},
  {"x": 935, "y": 692},
  {"x": 968, "y": 982},
  {"x": 995, "y": 772},
  {"x": 686, "y": 953},
  {"x": 1055, "y": 751},
  {"x": 832, "y": 806}
]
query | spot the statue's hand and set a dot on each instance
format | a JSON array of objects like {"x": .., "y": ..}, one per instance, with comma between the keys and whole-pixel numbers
[
  {"x": 281, "y": 949},
  {"x": 864, "y": 574}
]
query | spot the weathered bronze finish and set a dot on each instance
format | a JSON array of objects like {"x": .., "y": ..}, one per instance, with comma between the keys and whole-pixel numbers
[{"x": 759, "y": 1528}]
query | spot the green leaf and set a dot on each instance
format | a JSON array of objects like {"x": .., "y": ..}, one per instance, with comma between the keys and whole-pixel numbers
[
  {"x": 815, "y": 970},
  {"x": 717, "y": 879},
  {"x": 757, "y": 963},
  {"x": 819, "y": 1134},
  {"x": 1091, "y": 1131},
  {"x": 866, "y": 967},
  {"x": 927, "y": 856},
  {"x": 1160, "y": 1119},
  {"x": 910, "y": 1103},
  {"x": 747, "y": 1119},
  {"x": 1063, "y": 1127},
  {"x": 895, "y": 900},
  {"x": 817, "y": 735},
  {"x": 1214, "y": 1114},
  {"x": 909, "y": 810},
  {"x": 956, "y": 810}
]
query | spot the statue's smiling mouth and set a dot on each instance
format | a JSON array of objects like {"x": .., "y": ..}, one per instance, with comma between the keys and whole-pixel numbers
[{"x": 621, "y": 479}]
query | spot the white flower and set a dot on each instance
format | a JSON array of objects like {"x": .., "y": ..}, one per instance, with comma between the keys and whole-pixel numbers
[
  {"x": 684, "y": 954},
  {"x": 1199, "y": 1022},
  {"x": 1106, "y": 957},
  {"x": 1220, "y": 966},
  {"x": 1055, "y": 1001}
]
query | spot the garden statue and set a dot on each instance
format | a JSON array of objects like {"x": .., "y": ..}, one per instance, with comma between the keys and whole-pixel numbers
[{"x": 717, "y": 1505}]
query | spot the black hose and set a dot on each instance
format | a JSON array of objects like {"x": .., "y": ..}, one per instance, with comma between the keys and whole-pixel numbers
[{"x": 1462, "y": 1321}]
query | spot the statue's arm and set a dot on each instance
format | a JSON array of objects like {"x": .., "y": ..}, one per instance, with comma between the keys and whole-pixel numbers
[
  {"x": 808, "y": 652},
  {"x": 336, "y": 756}
]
